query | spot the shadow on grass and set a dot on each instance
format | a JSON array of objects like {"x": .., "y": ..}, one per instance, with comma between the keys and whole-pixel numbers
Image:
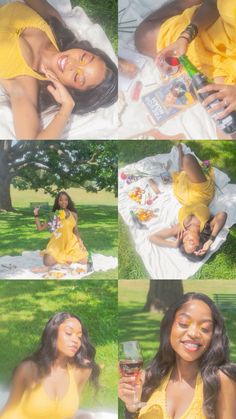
[{"x": 26, "y": 306}]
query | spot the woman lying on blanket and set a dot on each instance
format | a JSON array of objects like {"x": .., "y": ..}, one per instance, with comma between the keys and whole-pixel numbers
[
  {"x": 191, "y": 376},
  {"x": 42, "y": 63},
  {"x": 48, "y": 383},
  {"x": 206, "y": 31},
  {"x": 197, "y": 228},
  {"x": 65, "y": 245}
]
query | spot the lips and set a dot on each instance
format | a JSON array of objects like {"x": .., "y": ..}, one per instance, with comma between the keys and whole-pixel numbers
[
  {"x": 73, "y": 348},
  {"x": 61, "y": 62},
  {"x": 191, "y": 346}
]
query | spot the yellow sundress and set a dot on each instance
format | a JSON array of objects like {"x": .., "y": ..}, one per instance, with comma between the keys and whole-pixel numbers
[
  {"x": 14, "y": 19},
  {"x": 36, "y": 404},
  {"x": 156, "y": 405},
  {"x": 66, "y": 248},
  {"x": 213, "y": 51}
]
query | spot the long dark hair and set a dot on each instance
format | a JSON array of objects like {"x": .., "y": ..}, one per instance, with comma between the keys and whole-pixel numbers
[
  {"x": 103, "y": 95},
  {"x": 214, "y": 359},
  {"x": 71, "y": 205},
  {"x": 46, "y": 354}
]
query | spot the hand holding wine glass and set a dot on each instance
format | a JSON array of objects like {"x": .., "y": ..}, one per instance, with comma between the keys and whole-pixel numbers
[{"x": 132, "y": 377}]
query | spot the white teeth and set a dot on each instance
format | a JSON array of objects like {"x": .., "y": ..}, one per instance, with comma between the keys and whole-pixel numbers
[
  {"x": 62, "y": 62},
  {"x": 191, "y": 345}
]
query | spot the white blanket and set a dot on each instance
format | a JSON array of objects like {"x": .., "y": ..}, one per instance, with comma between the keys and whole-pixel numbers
[
  {"x": 19, "y": 267},
  {"x": 194, "y": 123},
  {"x": 160, "y": 262},
  {"x": 95, "y": 125}
]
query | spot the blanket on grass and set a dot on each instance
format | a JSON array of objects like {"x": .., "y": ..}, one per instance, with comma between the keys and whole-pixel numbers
[
  {"x": 95, "y": 125},
  {"x": 160, "y": 262},
  {"x": 194, "y": 123},
  {"x": 19, "y": 267}
]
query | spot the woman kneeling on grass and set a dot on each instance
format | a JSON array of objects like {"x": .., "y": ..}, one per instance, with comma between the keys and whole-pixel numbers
[
  {"x": 42, "y": 63},
  {"x": 65, "y": 245},
  {"x": 191, "y": 376},
  {"x": 49, "y": 383},
  {"x": 197, "y": 228}
]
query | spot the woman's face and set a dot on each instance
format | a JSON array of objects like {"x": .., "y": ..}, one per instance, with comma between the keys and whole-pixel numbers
[
  {"x": 69, "y": 337},
  {"x": 192, "y": 330},
  {"x": 63, "y": 201},
  {"x": 190, "y": 241},
  {"x": 79, "y": 69}
]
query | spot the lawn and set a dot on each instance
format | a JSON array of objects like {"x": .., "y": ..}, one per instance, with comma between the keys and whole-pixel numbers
[
  {"x": 104, "y": 13},
  {"x": 26, "y": 306},
  {"x": 223, "y": 156},
  {"x": 97, "y": 224}
]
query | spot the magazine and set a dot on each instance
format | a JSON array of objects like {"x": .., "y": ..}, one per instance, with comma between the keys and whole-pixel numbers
[{"x": 170, "y": 98}]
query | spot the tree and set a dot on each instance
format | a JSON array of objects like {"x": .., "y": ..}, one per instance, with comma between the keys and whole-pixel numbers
[
  {"x": 56, "y": 165},
  {"x": 162, "y": 294}
]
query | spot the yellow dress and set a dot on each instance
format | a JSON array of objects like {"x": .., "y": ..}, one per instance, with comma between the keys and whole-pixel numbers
[
  {"x": 14, "y": 19},
  {"x": 156, "y": 405},
  {"x": 36, "y": 404},
  {"x": 66, "y": 247},
  {"x": 195, "y": 197},
  {"x": 214, "y": 50}
]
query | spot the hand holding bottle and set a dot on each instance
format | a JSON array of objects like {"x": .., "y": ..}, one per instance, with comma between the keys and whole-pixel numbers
[{"x": 226, "y": 94}]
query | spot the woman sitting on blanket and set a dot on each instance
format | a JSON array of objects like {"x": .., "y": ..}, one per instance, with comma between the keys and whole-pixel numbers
[
  {"x": 206, "y": 31},
  {"x": 42, "y": 63},
  {"x": 49, "y": 383},
  {"x": 197, "y": 228},
  {"x": 191, "y": 376},
  {"x": 65, "y": 245}
]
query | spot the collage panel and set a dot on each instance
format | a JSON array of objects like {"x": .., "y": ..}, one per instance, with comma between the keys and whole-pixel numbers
[
  {"x": 58, "y": 72},
  {"x": 58, "y": 205},
  {"x": 177, "y": 208},
  {"x": 176, "y": 69},
  {"x": 58, "y": 349},
  {"x": 177, "y": 349}
]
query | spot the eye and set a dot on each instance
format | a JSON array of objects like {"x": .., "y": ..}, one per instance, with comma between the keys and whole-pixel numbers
[
  {"x": 183, "y": 325},
  {"x": 68, "y": 334},
  {"x": 205, "y": 330}
]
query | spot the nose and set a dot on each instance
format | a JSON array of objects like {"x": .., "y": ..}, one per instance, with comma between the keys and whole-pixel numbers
[{"x": 193, "y": 331}]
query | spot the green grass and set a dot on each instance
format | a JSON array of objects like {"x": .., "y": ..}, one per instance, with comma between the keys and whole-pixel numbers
[
  {"x": 26, "y": 306},
  {"x": 97, "y": 225},
  {"x": 104, "y": 13},
  {"x": 223, "y": 156}
]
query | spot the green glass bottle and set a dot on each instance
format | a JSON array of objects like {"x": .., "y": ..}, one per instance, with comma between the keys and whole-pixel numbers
[{"x": 199, "y": 80}]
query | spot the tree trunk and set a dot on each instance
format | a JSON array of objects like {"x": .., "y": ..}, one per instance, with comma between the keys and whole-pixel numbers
[
  {"x": 162, "y": 294},
  {"x": 5, "y": 182}
]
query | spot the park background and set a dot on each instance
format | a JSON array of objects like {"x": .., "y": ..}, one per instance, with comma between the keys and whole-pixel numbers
[
  {"x": 222, "y": 154},
  {"x": 26, "y": 306},
  {"x": 142, "y": 305},
  {"x": 35, "y": 171}
]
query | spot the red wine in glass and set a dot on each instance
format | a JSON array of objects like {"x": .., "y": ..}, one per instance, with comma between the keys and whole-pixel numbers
[{"x": 131, "y": 368}]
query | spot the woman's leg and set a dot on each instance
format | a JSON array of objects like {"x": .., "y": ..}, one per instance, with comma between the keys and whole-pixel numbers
[
  {"x": 147, "y": 32},
  {"x": 190, "y": 165}
]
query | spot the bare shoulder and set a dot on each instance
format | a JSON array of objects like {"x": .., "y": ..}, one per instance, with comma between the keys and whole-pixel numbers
[
  {"x": 226, "y": 400},
  {"x": 226, "y": 382},
  {"x": 82, "y": 375},
  {"x": 75, "y": 215},
  {"x": 26, "y": 372}
]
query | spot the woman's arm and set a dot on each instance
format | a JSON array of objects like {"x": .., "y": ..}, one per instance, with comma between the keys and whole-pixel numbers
[
  {"x": 226, "y": 400},
  {"x": 161, "y": 237},
  {"x": 23, "y": 93},
  {"x": 40, "y": 226},
  {"x": 82, "y": 377},
  {"x": 43, "y": 8},
  {"x": 22, "y": 378}
]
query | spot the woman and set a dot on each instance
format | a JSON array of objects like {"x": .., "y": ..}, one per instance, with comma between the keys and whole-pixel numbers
[
  {"x": 197, "y": 228},
  {"x": 43, "y": 63},
  {"x": 205, "y": 30},
  {"x": 65, "y": 245},
  {"x": 48, "y": 384},
  {"x": 191, "y": 376}
]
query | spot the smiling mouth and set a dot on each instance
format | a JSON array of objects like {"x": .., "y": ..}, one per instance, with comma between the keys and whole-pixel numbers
[
  {"x": 73, "y": 348},
  {"x": 191, "y": 346},
  {"x": 61, "y": 62}
]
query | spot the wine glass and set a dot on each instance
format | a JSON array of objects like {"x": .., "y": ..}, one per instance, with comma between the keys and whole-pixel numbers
[
  {"x": 167, "y": 66},
  {"x": 130, "y": 365}
]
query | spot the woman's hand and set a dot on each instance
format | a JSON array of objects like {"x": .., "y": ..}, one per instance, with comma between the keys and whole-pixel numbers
[
  {"x": 179, "y": 238},
  {"x": 176, "y": 49},
  {"x": 226, "y": 94},
  {"x": 129, "y": 390},
  {"x": 36, "y": 211},
  {"x": 204, "y": 249},
  {"x": 58, "y": 90}
]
